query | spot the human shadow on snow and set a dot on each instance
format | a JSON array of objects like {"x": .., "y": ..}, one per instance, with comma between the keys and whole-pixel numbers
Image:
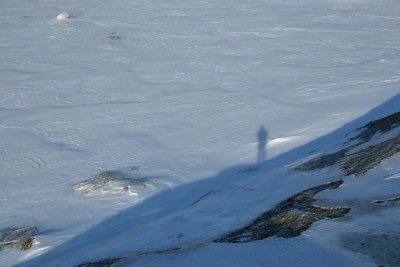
[
  {"x": 169, "y": 201},
  {"x": 262, "y": 139}
]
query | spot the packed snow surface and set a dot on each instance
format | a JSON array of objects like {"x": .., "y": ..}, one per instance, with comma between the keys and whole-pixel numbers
[{"x": 192, "y": 96}]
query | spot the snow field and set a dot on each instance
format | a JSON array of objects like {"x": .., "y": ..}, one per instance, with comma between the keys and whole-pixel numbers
[{"x": 180, "y": 90}]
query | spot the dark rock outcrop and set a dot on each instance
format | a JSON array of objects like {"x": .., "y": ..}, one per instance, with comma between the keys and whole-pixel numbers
[
  {"x": 365, "y": 159},
  {"x": 289, "y": 218},
  {"x": 17, "y": 237},
  {"x": 115, "y": 262},
  {"x": 103, "y": 263},
  {"x": 382, "y": 125},
  {"x": 390, "y": 200},
  {"x": 357, "y": 159},
  {"x": 323, "y": 161}
]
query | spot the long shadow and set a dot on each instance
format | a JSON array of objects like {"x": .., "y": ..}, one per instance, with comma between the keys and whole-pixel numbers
[
  {"x": 262, "y": 138},
  {"x": 175, "y": 199}
]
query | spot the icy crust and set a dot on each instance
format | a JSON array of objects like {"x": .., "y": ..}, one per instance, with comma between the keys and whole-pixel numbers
[{"x": 124, "y": 181}]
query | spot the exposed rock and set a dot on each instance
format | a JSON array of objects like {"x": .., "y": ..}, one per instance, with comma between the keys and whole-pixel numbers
[
  {"x": 357, "y": 160},
  {"x": 363, "y": 160},
  {"x": 103, "y": 263},
  {"x": 323, "y": 161},
  {"x": 115, "y": 262},
  {"x": 372, "y": 128},
  {"x": 17, "y": 237},
  {"x": 126, "y": 181},
  {"x": 387, "y": 200},
  {"x": 289, "y": 218},
  {"x": 114, "y": 182},
  {"x": 114, "y": 36}
]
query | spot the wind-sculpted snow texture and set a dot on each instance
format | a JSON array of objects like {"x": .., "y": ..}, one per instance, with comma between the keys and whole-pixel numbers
[{"x": 219, "y": 99}]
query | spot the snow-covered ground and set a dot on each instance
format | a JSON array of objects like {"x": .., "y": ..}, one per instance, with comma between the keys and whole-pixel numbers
[{"x": 186, "y": 94}]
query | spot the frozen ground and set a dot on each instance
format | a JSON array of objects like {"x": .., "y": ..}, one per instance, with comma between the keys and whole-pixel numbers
[{"x": 181, "y": 91}]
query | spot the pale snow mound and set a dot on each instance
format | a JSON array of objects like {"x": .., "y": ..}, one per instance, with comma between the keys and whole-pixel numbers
[{"x": 64, "y": 16}]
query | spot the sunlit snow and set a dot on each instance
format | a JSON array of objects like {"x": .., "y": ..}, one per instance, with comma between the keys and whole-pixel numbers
[{"x": 180, "y": 90}]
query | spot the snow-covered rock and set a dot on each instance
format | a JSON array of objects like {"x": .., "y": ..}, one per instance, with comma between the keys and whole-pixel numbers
[
  {"x": 123, "y": 181},
  {"x": 63, "y": 16},
  {"x": 17, "y": 237}
]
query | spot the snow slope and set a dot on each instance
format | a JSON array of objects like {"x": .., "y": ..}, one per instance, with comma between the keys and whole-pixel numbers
[
  {"x": 179, "y": 90},
  {"x": 191, "y": 217}
]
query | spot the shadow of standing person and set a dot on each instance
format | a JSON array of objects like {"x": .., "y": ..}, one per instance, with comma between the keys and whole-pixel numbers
[{"x": 262, "y": 138}]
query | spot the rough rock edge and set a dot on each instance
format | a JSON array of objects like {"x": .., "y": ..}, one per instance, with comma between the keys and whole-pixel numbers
[
  {"x": 102, "y": 179},
  {"x": 289, "y": 218},
  {"x": 387, "y": 200},
  {"x": 115, "y": 262},
  {"x": 104, "y": 263},
  {"x": 363, "y": 159},
  {"x": 17, "y": 237},
  {"x": 382, "y": 125}
]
